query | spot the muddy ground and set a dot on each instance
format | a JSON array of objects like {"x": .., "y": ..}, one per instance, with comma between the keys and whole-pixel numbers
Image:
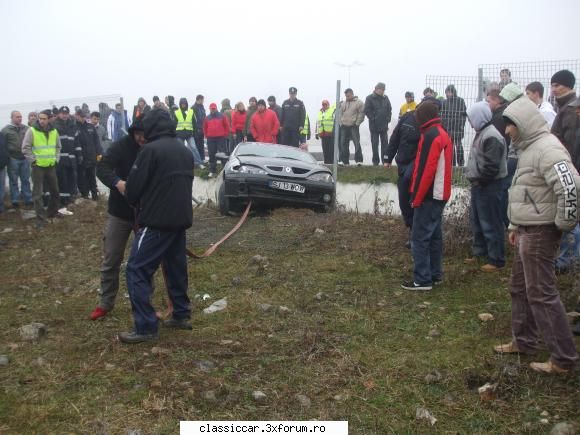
[{"x": 349, "y": 339}]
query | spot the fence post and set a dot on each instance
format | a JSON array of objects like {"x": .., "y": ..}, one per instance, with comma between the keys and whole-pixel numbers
[
  {"x": 480, "y": 90},
  {"x": 336, "y": 132}
]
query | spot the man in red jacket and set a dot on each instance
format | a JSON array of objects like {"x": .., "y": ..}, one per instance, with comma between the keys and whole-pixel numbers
[
  {"x": 430, "y": 190},
  {"x": 216, "y": 128},
  {"x": 264, "y": 125}
]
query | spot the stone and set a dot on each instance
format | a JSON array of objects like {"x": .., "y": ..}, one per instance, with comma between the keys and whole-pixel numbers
[
  {"x": 21, "y": 307},
  {"x": 259, "y": 396},
  {"x": 4, "y": 361},
  {"x": 398, "y": 293},
  {"x": 204, "y": 365},
  {"x": 33, "y": 331},
  {"x": 338, "y": 397},
  {"x": 160, "y": 351},
  {"x": 422, "y": 306},
  {"x": 264, "y": 307},
  {"x": 210, "y": 396},
  {"x": 156, "y": 383},
  {"x": 7, "y": 230},
  {"x": 57, "y": 302},
  {"x": 424, "y": 414},
  {"x": 110, "y": 367},
  {"x": 544, "y": 421},
  {"x": 284, "y": 310},
  {"x": 318, "y": 231},
  {"x": 219, "y": 305},
  {"x": 545, "y": 414},
  {"x": 487, "y": 392},
  {"x": 433, "y": 376},
  {"x": 563, "y": 429},
  {"x": 236, "y": 281},
  {"x": 485, "y": 317},
  {"x": 304, "y": 401},
  {"x": 93, "y": 247},
  {"x": 319, "y": 296}
]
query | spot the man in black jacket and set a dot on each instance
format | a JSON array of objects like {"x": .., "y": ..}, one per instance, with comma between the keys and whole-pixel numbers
[
  {"x": 113, "y": 170},
  {"x": 378, "y": 110},
  {"x": 88, "y": 144},
  {"x": 453, "y": 115},
  {"x": 292, "y": 119},
  {"x": 403, "y": 144},
  {"x": 159, "y": 185},
  {"x": 66, "y": 171}
]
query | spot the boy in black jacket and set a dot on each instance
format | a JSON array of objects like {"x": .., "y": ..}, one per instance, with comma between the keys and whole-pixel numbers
[
  {"x": 159, "y": 185},
  {"x": 113, "y": 171}
]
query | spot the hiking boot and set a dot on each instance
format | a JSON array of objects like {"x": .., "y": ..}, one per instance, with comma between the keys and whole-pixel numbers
[
  {"x": 489, "y": 268},
  {"x": 178, "y": 324},
  {"x": 549, "y": 368},
  {"x": 411, "y": 285},
  {"x": 510, "y": 347},
  {"x": 133, "y": 338},
  {"x": 98, "y": 313}
]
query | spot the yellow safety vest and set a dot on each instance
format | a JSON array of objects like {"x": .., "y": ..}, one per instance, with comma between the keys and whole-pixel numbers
[
  {"x": 306, "y": 127},
  {"x": 44, "y": 148},
  {"x": 184, "y": 124},
  {"x": 326, "y": 120}
]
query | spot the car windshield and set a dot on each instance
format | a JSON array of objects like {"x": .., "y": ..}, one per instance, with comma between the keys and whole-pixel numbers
[{"x": 274, "y": 151}]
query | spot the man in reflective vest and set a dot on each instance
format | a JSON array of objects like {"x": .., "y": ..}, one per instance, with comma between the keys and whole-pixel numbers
[
  {"x": 305, "y": 133},
  {"x": 41, "y": 147},
  {"x": 186, "y": 127},
  {"x": 325, "y": 129}
]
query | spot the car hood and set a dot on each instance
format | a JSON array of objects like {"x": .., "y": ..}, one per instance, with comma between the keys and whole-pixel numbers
[{"x": 281, "y": 167}]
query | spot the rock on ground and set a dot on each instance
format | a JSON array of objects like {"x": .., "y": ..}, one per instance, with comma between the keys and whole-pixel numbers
[
  {"x": 4, "y": 360},
  {"x": 33, "y": 331},
  {"x": 220, "y": 305},
  {"x": 259, "y": 396},
  {"x": 303, "y": 400}
]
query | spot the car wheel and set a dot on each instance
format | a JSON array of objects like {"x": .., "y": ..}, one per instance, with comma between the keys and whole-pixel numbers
[{"x": 227, "y": 206}]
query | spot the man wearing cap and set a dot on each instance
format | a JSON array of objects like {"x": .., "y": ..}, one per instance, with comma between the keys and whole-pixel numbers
[
  {"x": 216, "y": 128},
  {"x": 409, "y": 105},
  {"x": 292, "y": 119},
  {"x": 113, "y": 170},
  {"x": 19, "y": 167},
  {"x": 378, "y": 110},
  {"x": 41, "y": 147},
  {"x": 264, "y": 124},
  {"x": 66, "y": 170},
  {"x": 88, "y": 144}
]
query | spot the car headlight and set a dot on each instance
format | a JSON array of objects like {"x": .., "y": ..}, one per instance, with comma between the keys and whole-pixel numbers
[
  {"x": 232, "y": 165},
  {"x": 246, "y": 169},
  {"x": 321, "y": 176}
]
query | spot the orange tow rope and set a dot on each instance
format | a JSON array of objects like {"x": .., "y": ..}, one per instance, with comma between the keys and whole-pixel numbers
[{"x": 207, "y": 253}]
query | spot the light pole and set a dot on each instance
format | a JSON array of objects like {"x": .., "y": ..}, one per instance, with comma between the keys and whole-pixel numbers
[{"x": 348, "y": 66}]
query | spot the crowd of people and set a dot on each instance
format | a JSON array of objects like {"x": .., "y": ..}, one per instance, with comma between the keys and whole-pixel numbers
[{"x": 523, "y": 169}]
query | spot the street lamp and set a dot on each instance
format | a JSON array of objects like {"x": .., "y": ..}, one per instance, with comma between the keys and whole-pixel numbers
[{"x": 348, "y": 66}]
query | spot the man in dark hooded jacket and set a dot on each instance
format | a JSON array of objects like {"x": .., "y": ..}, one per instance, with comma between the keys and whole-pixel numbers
[
  {"x": 159, "y": 185},
  {"x": 378, "y": 110},
  {"x": 88, "y": 144},
  {"x": 453, "y": 115},
  {"x": 113, "y": 170}
]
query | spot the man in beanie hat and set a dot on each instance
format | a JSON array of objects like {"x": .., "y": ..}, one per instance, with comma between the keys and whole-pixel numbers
[
  {"x": 566, "y": 122},
  {"x": 113, "y": 170},
  {"x": 264, "y": 124},
  {"x": 378, "y": 110},
  {"x": 430, "y": 190}
]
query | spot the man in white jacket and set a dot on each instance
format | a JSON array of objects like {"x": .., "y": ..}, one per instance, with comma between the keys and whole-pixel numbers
[{"x": 535, "y": 92}]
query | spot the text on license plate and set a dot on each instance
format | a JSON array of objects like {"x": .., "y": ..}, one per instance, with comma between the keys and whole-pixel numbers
[{"x": 292, "y": 187}]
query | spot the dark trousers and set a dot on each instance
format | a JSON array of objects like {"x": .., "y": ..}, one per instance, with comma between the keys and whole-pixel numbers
[
  {"x": 403, "y": 184},
  {"x": 290, "y": 136},
  {"x": 44, "y": 177},
  {"x": 117, "y": 232},
  {"x": 328, "y": 148},
  {"x": 66, "y": 182},
  {"x": 87, "y": 181},
  {"x": 198, "y": 137},
  {"x": 214, "y": 144},
  {"x": 151, "y": 248},
  {"x": 536, "y": 306},
  {"x": 375, "y": 137},
  {"x": 458, "y": 154},
  {"x": 239, "y": 138},
  {"x": 427, "y": 242},
  {"x": 487, "y": 223},
  {"x": 512, "y": 165},
  {"x": 348, "y": 133}
]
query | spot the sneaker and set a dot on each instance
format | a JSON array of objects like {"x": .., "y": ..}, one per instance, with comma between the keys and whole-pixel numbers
[
  {"x": 340, "y": 164},
  {"x": 359, "y": 164},
  {"x": 489, "y": 268},
  {"x": 411, "y": 285},
  {"x": 549, "y": 368},
  {"x": 178, "y": 324},
  {"x": 510, "y": 347},
  {"x": 65, "y": 212},
  {"x": 211, "y": 175},
  {"x": 133, "y": 338},
  {"x": 98, "y": 313}
]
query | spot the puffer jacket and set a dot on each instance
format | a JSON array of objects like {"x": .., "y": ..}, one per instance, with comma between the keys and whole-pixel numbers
[
  {"x": 566, "y": 122},
  {"x": 352, "y": 112},
  {"x": 544, "y": 189}
]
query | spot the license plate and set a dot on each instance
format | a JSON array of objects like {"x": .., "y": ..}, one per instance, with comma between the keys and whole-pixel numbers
[{"x": 292, "y": 187}]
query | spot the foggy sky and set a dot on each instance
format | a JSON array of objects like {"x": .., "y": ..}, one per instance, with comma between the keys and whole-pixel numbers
[{"x": 238, "y": 49}]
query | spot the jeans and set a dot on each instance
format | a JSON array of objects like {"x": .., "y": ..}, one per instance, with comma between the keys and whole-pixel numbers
[
  {"x": 151, "y": 248},
  {"x": 403, "y": 184},
  {"x": 44, "y": 176},
  {"x": 487, "y": 223},
  {"x": 190, "y": 142},
  {"x": 569, "y": 249},
  {"x": 328, "y": 149},
  {"x": 375, "y": 137},
  {"x": 199, "y": 143},
  {"x": 19, "y": 170},
  {"x": 213, "y": 145},
  {"x": 348, "y": 133},
  {"x": 537, "y": 310},
  {"x": 427, "y": 242},
  {"x": 117, "y": 232}
]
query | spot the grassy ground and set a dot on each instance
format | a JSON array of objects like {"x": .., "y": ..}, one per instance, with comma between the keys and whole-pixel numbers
[{"x": 353, "y": 342}]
